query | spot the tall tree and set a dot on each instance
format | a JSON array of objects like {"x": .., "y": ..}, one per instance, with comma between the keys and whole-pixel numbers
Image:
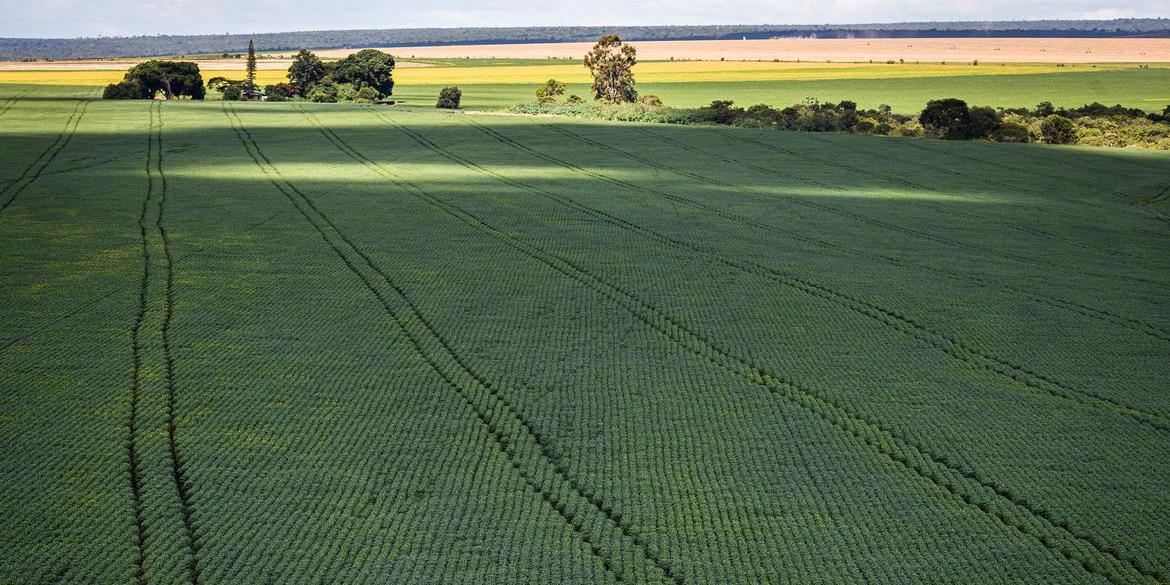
[
  {"x": 366, "y": 68},
  {"x": 306, "y": 71},
  {"x": 250, "y": 80},
  {"x": 612, "y": 65}
]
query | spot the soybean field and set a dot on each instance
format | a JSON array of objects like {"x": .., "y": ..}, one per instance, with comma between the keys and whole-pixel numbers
[{"x": 316, "y": 343}]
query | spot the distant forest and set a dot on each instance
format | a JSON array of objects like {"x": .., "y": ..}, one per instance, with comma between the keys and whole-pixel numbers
[{"x": 141, "y": 46}]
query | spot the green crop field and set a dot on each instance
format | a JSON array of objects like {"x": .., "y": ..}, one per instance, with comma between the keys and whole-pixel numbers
[{"x": 296, "y": 343}]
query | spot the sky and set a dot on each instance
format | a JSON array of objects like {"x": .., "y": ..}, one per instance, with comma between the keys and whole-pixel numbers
[{"x": 73, "y": 18}]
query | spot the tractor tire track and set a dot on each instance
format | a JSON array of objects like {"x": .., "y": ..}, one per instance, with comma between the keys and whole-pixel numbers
[
  {"x": 960, "y": 482},
  {"x": 178, "y": 470},
  {"x": 563, "y": 493},
  {"x": 136, "y": 379},
  {"x": 1009, "y": 372},
  {"x": 9, "y": 103},
  {"x": 37, "y": 167}
]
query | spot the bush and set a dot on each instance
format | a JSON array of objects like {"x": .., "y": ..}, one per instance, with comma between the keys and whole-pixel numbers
[
  {"x": 984, "y": 121},
  {"x": 1044, "y": 109},
  {"x": 449, "y": 98},
  {"x": 574, "y": 99},
  {"x": 1057, "y": 129},
  {"x": 949, "y": 119},
  {"x": 367, "y": 95},
  {"x": 281, "y": 92},
  {"x": 650, "y": 100},
  {"x": 123, "y": 90},
  {"x": 548, "y": 92},
  {"x": 346, "y": 92},
  {"x": 1011, "y": 132},
  {"x": 323, "y": 93},
  {"x": 721, "y": 112}
]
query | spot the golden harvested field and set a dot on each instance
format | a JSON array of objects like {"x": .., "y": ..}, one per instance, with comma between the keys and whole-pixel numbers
[{"x": 1002, "y": 50}]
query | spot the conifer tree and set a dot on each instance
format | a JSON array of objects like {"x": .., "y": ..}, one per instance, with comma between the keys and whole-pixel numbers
[{"x": 250, "y": 81}]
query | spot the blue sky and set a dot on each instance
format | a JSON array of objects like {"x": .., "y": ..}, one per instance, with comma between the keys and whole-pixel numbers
[{"x": 70, "y": 18}]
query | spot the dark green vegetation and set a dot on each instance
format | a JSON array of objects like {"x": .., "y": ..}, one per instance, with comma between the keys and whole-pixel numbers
[
  {"x": 201, "y": 44},
  {"x": 169, "y": 78},
  {"x": 948, "y": 119},
  {"x": 301, "y": 343}
]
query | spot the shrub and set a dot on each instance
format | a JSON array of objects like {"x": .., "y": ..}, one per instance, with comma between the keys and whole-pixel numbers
[
  {"x": 123, "y": 90},
  {"x": 323, "y": 93},
  {"x": 949, "y": 119},
  {"x": 549, "y": 91},
  {"x": 346, "y": 92},
  {"x": 449, "y": 98},
  {"x": 281, "y": 92},
  {"x": 650, "y": 100},
  {"x": 1011, "y": 132},
  {"x": 1044, "y": 109},
  {"x": 367, "y": 95},
  {"x": 574, "y": 99},
  {"x": 984, "y": 121},
  {"x": 1057, "y": 129},
  {"x": 721, "y": 112}
]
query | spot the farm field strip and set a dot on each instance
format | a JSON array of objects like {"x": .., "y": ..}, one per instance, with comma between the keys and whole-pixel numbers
[
  {"x": 748, "y": 221},
  {"x": 953, "y": 347},
  {"x": 776, "y": 383},
  {"x": 314, "y": 343},
  {"x": 1133, "y": 324},
  {"x": 916, "y": 233}
]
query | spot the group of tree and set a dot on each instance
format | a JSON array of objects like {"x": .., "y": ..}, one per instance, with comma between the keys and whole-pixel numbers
[
  {"x": 953, "y": 119},
  {"x": 149, "y": 79},
  {"x": 364, "y": 76}
]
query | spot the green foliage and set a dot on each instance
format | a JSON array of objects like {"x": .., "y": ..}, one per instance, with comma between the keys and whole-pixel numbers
[
  {"x": 984, "y": 121},
  {"x": 306, "y": 71},
  {"x": 1011, "y": 132},
  {"x": 549, "y": 91},
  {"x": 1057, "y": 129},
  {"x": 250, "y": 70},
  {"x": 366, "y": 68},
  {"x": 949, "y": 119},
  {"x": 612, "y": 64},
  {"x": 281, "y": 92},
  {"x": 449, "y": 98},
  {"x": 123, "y": 90},
  {"x": 367, "y": 95},
  {"x": 149, "y": 78},
  {"x": 325, "y": 92},
  {"x": 650, "y": 100},
  {"x": 346, "y": 92},
  {"x": 229, "y": 89}
]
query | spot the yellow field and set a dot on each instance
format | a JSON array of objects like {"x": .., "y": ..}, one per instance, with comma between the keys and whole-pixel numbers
[
  {"x": 662, "y": 72},
  {"x": 99, "y": 77}
]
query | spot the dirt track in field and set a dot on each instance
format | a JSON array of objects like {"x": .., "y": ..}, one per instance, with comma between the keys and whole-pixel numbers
[{"x": 1002, "y": 50}]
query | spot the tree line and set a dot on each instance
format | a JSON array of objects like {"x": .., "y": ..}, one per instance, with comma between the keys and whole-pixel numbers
[{"x": 141, "y": 46}]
